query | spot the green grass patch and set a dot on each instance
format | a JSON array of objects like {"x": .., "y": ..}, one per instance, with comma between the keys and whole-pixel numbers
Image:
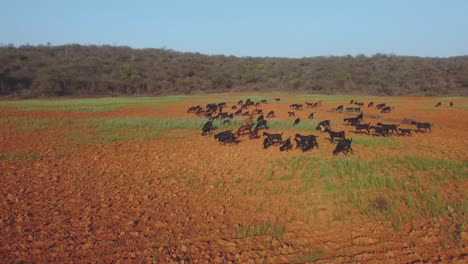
[
  {"x": 259, "y": 229},
  {"x": 92, "y": 105},
  {"x": 19, "y": 155},
  {"x": 377, "y": 142}
]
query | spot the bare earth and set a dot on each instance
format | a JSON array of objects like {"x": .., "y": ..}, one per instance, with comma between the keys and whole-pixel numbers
[{"x": 186, "y": 198}]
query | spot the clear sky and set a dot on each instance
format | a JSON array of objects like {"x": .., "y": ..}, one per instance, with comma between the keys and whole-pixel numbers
[{"x": 268, "y": 28}]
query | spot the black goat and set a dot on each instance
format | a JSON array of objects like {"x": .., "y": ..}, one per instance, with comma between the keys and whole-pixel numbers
[
  {"x": 277, "y": 99},
  {"x": 334, "y": 134},
  {"x": 263, "y": 101},
  {"x": 309, "y": 105},
  {"x": 226, "y": 137},
  {"x": 351, "y": 102},
  {"x": 419, "y": 126},
  {"x": 451, "y": 104},
  {"x": 371, "y": 104},
  {"x": 306, "y": 142},
  {"x": 260, "y": 118},
  {"x": 339, "y": 108},
  {"x": 240, "y": 102},
  {"x": 267, "y": 142},
  {"x": 274, "y": 138},
  {"x": 439, "y": 104},
  {"x": 380, "y": 106},
  {"x": 234, "y": 107},
  {"x": 323, "y": 125},
  {"x": 291, "y": 113},
  {"x": 194, "y": 109},
  {"x": 360, "y": 127},
  {"x": 286, "y": 145},
  {"x": 238, "y": 112},
  {"x": 271, "y": 114},
  {"x": 386, "y": 109},
  {"x": 261, "y": 124},
  {"x": 390, "y": 127},
  {"x": 297, "y": 121},
  {"x": 207, "y": 127},
  {"x": 312, "y": 115},
  {"x": 380, "y": 131},
  {"x": 405, "y": 131},
  {"x": 344, "y": 145}
]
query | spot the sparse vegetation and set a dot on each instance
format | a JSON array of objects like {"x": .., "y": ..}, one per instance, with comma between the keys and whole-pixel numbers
[{"x": 32, "y": 71}]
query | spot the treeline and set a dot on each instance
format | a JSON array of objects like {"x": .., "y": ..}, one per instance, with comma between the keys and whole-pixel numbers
[{"x": 77, "y": 70}]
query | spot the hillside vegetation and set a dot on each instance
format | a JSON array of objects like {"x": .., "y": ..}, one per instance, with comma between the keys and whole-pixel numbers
[{"x": 76, "y": 70}]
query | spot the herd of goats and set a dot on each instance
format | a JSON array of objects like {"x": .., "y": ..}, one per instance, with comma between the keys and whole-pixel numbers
[{"x": 304, "y": 142}]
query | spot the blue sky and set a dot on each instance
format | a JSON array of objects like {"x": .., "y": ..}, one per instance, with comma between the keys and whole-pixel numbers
[{"x": 245, "y": 28}]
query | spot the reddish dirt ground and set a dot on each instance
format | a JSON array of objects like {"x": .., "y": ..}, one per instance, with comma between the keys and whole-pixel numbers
[{"x": 181, "y": 198}]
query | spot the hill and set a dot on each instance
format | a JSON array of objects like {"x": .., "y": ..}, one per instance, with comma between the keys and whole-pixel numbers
[{"x": 77, "y": 70}]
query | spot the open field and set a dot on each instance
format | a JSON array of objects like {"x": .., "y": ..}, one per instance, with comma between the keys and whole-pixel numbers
[{"x": 132, "y": 179}]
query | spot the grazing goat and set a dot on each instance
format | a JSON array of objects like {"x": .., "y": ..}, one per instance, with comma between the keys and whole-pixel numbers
[
  {"x": 354, "y": 120},
  {"x": 194, "y": 109},
  {"x": 380, "y": 131},
  {"x": 306, "y": 142},
  {"x": 244, "y": 128},
  {"x": 274, "y": 138},
  {"x": 271, "y": 114},
  {"x": 286, "y": 145},
  {"x": 419, "y": 126},
  {"x": 296, "y": 106},
  {"x": 263, "y": 101},
  {"x": 246, "y": 113},
  {"x": 207, "y": 127},
  {"x": 309, "y": 105},
  {"x": 257, "y": 104},
  {"x": 334, "y": 134},
  {"x": 371, "y": 104},
  {"x": 290, "y": 113},
  {"x": 234, "y": 107},
  {"x": 451, "y": 104},
  {"x": 344, "y": 146},
  {"x": 261, "y": 124},
  {"x": 405, "y": 131},
  {"x": 380, "y": 106},
  {"x": 238, "y": 112},
  {"x": 312, "y": 115},
  {"x": 339, "y": 108},
  {"x": 359, "y": 104},
  {"x": 277, "y": 99},
  {"x": 240, "y": 102},
  {"x": 386, "y": 109},
  {"x": 439, "y": 104},
  {"x": 267, "y": 142},
  {"x": 297, "y": 121},
  {"x": 325, "y": 124},
  {"x": 226, "y": 137},
  {"x": 260, "y": 118},
  {"x": 390, "y": 127},
  {"x": 360, "y": 127}
]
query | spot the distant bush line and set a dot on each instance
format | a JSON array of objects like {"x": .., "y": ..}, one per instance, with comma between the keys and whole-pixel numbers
[{"x": 77, "y": 70}]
